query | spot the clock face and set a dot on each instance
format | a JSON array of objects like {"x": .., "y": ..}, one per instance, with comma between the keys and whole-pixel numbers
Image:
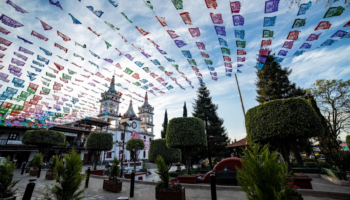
[{"x": 134, "y": 125}]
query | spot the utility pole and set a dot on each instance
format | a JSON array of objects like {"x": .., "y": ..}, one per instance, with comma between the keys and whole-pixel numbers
[{"x": 240, "y": 96}]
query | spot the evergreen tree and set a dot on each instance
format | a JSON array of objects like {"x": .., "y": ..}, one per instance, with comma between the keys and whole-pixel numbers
[
  {"x": 216, "y": 134},
  {"x": 273, "y": 82},
  {"x": 165, "y": 124},
  {"x": 184, "y": 110}
]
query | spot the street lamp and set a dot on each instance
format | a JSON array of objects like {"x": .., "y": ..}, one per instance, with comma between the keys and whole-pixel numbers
[{"x": 125, "y": 124}]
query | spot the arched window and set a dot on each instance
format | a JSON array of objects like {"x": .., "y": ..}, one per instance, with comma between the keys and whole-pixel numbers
[
  {"x": 150, "y": 139},
  {"x": 122, "y": 136},
  {"x": 144, "y": 137},
  {"x": 144, "y": 154}
]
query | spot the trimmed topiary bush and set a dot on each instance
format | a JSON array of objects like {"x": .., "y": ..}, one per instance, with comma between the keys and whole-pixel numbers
[
  {"x": 185, "y": 133},
  {"x": 135, "y": 146},
  {"x": 43, "y": 139},
  {"x": 98, "y": 142},
  {"x": 158, "y": 147},
  {"x": 280, "y": 121}
]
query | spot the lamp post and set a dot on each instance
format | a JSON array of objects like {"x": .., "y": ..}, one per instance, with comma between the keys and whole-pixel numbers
[{"x": 125, "y": 124}]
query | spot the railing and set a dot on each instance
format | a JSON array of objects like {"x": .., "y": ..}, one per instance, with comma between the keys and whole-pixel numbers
[{"x": 4, "y": 142}]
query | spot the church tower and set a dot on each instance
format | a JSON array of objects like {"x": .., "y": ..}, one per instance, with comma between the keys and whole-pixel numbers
[
  {"x": 109, "y": 107},
  {"x": 146, "y": 115}
]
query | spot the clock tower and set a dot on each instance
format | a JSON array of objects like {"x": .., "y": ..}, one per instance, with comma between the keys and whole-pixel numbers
[{"x": 146, "y": 115}]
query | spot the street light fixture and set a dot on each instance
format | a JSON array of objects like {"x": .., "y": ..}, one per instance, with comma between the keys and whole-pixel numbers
[{"x": 125, "y": 124}]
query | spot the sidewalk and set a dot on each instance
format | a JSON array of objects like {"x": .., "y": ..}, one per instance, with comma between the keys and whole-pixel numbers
[{"x": 147, "y": 191}]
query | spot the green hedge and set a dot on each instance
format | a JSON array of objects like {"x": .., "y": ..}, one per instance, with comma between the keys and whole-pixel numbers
[
  {"x": 43, "y": 137},
  {"x": 185, "y": 132},
  {"x": 334, "y": 174},
  {"x": 99, "y": 141},
  {"x": 282, "y": 119},
  {"x": 158, "y": 147},
  {"x": 306, "y": 170}
]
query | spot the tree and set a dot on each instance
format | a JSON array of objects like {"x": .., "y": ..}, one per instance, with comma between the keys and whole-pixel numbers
[
  {"x": 348, "y": 140},
  {"x": 184, "y": 114},
  {"x": 279, "y": 121},
  {"x": 98, "y": 142},
  {"x": 165, "y": 124},
  {"x": 69, "y": 179},
  {"x": 135, "y": 146},
  {"x": 44, "y": 140},
  {"x": 333, "y": 99},
  {"x": 186, "y": 133},
  {"x": 261, "y": 176},
  {"x": 216, "y": 134},
  {"x": 327, "y": 141},
  {"x": 273, "y": 83},
  {"x": 158, "y": 147}
]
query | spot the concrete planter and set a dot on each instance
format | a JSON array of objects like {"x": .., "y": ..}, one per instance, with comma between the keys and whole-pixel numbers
[
  {"x": 170, "y": 194},
  {"x": 187, "y": 179},
  {"x": 98, "y": 172},
  {"x": 301, "y": 182},
  {"x": 113, "y": 186},
  {"x": 33, "y": 172},
  {"x": 138, "y": 176}
]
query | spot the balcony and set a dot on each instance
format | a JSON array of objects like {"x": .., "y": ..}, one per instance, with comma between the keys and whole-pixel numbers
[
  {"x": 75, "y": 144},
  {"x": 4, "y": 142}
]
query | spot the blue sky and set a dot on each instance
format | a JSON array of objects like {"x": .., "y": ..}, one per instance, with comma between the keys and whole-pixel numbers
[{"x": 330, "y": 62}]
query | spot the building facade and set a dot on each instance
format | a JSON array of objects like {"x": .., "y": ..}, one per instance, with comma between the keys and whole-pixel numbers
[
  {"x": 141, "y": 126},
  {"x": 77, "y": 133}
]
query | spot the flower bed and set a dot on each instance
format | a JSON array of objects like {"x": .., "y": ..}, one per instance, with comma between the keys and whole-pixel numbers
[
  {"x": 302, "y": 181},
  {"x": 191, "y": 179}
]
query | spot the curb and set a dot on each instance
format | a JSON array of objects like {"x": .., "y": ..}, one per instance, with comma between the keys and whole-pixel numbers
[{"x": 313, "y": 193}]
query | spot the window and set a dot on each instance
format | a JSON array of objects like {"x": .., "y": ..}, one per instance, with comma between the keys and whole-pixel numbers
[
  {"x": 144, "y": 154},
  {"x": 109, "y": 154},
  {"x": 13, "y": 136},
  {"x": 150, "y": 139},
  {"x": 122, "y": 136}
]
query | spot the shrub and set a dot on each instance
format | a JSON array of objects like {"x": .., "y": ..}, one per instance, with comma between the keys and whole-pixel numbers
[
  {"x": 36, "y": 161},
  {"x": 115, "y": 170},
  {"x": 68, "y": 177},
  {"x": 347, "y": 139},
  {"x": 6, "y": 179},
  {"x": 282, "y": 121},
  {"x": 334, "y": 174},
  {"x": 262, "y": 177},
  {"x": 43, "y": 139},
  {"x": 98, "y": 142},
  {"x": 158, "y": 147},
  {"x": 186, "y": 133},
  {"x": 135, "y": 146},
  {"x": 163, "y": 172},
  {"x": 306, "y": 170}
]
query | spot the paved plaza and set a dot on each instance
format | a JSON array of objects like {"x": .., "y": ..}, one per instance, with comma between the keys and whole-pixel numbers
[{"x": 147, "y": 191}]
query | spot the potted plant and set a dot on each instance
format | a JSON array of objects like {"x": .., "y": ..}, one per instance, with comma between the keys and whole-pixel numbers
[
  {"x": 68, "y": 178},
  {"x": 113, "y": 183},
  {"x": 7, "y": 191},
  {"x": 50, "y": 173},
  {"x": 163, "y": 190},
  {"x": 291, "y": 190},
  {"x": 36, "y": 161}
]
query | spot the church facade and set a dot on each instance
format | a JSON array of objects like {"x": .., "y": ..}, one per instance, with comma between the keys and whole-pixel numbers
[{"x": 140, "y": 125}]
